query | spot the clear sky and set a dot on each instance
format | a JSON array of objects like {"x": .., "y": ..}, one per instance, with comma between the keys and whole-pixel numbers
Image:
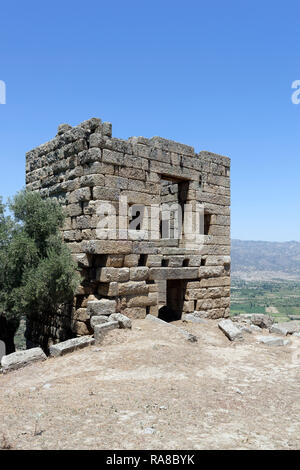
[{"x": 216, "y": 75}]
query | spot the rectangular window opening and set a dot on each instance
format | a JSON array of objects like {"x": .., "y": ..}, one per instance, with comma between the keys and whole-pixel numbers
[
  {"x": 173, "y": 197},
  {"x": 207, "y": 222}
]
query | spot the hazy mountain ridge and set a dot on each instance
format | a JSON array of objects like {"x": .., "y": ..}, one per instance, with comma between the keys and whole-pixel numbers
[{"x": 272, "y": 259}]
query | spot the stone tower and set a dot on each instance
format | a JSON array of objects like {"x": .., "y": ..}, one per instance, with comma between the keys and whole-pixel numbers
[{"x": 137, "y": 254}]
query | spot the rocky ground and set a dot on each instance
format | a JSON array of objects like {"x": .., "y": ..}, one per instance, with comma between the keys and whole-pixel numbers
[{"x": 150, "y": 388}]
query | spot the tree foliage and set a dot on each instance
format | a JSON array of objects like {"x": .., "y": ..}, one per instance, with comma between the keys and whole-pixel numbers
[{"x": 37, "y": 272}]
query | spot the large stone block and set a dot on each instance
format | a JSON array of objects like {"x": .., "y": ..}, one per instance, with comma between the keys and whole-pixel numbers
[
  {"x": 261, "y": 320},
  {"x": 135, "y": 312},
  {"x": 79, "y": 195},
  {"x": 291, "y": 326},
  {"x": 20, "y": 359},
  {"x": 101, "y": 330},
  {"x": 131, "y": 260},
  {"x": 106, "y": 246},
  {"x": 278, "y": 329},
  {"x": 83, "y": 260},
  {"x": 108, "y": 289},
  {"x": 273, "y": 340},
  {"x": 98, "y": 320},
  {"x": 133, "y": 288},
  {"x": 173, "y": 273},
  {"x": 101, "y": 307},
  {"x": 115, "y": 261},
  {"x": 215, "y": 282},
  {"x": 112, "y": 274},
  {"x": 81, "y": 314},
  {"x": 211, "y": 271},
  {"x": 92, "y": 180},
  {"x": 142, "y": 300},
  {"x": 70, "y": 345},
  {"x": 139, "y": 273},
  {"x": 124, "y": 322},
  {"x": 81, "y": 328},
  {"x": 230, "y": 330},
  {"x": 106, "y": 194}
]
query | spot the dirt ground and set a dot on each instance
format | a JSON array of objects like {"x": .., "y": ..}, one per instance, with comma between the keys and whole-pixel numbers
[{"x": 149, "y": 388}]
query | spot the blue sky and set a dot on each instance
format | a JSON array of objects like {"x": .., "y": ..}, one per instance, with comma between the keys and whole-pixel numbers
[{"x": 216, "y": 75}]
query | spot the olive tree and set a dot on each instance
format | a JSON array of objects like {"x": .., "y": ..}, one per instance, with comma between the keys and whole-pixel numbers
[{"x": 37, "y": 272}]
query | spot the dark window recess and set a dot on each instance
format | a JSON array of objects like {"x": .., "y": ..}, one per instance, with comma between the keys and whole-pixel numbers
[
  {"x": 207, "y": 220},
  {"x": 203, "y": 262},
  {"x": 143, "y": 260},
  {"x": 99, "y": 261},
  {"x": 185, "y": 263},
  {"x": 164, "y": 263}
]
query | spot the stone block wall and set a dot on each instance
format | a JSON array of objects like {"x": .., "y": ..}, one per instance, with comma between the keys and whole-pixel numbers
[{"x": 85, "y": 166}]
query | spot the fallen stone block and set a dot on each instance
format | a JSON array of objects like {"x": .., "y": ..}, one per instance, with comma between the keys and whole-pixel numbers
[
  {"x": 230, "y": 330},
  {"x": 273, "y": 341},
  {"x": 245, "y": 329},
  {"x": 101, "y": 307},
  {"x": 278, "y": 329},
  {"x": 291, "y": 326},
  {"x": 200, "y": 314},
  {"x": 189, "y": 317},
  {"x": 261, "y": 320},
  {"x": 124, "y": 322},
  {"x": 70, "y": 345},
  {"x": 20, "y": 359},
  {"x": 188, "y": 336},
  {"x": 101, "y": 330},
  {"x": 243, "y": 318},
  {"x": 255, "y": 328},
  {"x": 98, "y": 320}
]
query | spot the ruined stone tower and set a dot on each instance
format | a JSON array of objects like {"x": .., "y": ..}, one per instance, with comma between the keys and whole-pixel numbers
[{"x": 135, "y": 253}]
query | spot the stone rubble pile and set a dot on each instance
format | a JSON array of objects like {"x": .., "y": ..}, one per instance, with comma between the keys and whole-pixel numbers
[{"x": 247, "y": 323}]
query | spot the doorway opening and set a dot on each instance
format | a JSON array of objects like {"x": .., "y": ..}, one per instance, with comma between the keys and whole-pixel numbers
[{"x": 174, "y": 299}]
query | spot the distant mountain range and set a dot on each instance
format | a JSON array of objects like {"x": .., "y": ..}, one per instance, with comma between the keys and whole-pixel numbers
[{"x": 258, "y": 260}]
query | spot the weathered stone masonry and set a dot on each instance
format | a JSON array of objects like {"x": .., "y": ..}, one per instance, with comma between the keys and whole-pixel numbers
[{"x": 84, "y": 165}]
